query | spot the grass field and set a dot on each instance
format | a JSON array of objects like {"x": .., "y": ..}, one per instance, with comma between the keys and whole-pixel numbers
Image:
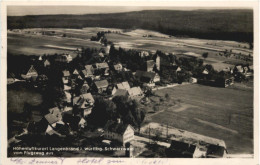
[{"x": 223, "y": 113}]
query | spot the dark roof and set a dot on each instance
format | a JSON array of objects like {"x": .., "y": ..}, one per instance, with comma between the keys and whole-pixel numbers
[
  {"x": 215, "y": 151},
  {"x": 116, "y": 127},
  {"x": 143, "y": 74},
  {"x": 121, "y": 92},
  {"x": 150, "y": 63},
  {"x": 182, "y": 147}
]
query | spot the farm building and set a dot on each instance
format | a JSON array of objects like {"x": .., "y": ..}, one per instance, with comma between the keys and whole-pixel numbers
[
  {"x": 29, "y": 73},
  {"x": 180, "y": 149},
  {"x": 118, "y": 131},
  {"x": 101, "y": 86}
]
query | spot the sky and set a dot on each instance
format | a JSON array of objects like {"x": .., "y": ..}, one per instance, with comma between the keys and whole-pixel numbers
[{"x": 51, "y": 10}]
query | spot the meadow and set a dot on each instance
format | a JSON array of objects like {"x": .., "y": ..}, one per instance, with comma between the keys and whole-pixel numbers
[{"x": 223, "y": 113}]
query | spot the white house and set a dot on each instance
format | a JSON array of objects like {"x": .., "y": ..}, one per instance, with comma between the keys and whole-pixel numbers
[{"x": 118, "y": 131}]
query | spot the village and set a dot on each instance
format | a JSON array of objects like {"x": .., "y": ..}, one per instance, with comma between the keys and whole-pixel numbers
[{"x": 90, "y": 85}]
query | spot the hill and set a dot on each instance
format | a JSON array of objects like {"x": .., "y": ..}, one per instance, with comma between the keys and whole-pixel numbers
[{"x": 234, "y": 25}]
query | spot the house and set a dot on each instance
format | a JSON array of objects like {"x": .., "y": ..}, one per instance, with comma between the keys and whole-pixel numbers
[
  {"x": 124, "y": 85},
  {"x": 67, "y": 97},
  {"x": 102, "y": 66},
  {"x": 101, "y": 86},
  {"x": 111, "y": 90},
  {"x": 84, "y": 89},
  {"x": 66, "y": 88},
  {"x": 107, "y": 49},
  {"x": 150, "y": 78},
  {"x": 143, "y": 54},
  {"x": 121, "y": 92},
  {"x": 29, "y": 73},
  {"x": 118, "y": 131},
  {"x": 84, "y": 102},
  {"x": 193, "y": 80},
  {"x": 10, "y": 78},
  {"x": 88, "y": 71},
  {"x": 75, "y": 72},
  {"x": 216, "y": 151},
  {"x": 40, "y": 58},
  {"x": 46, "y": 63},
  {"x": 118, "y": 67},
  {"x": 158, "y": 63},
  {"x": 135, "y": 92},
  {"x": 82, "y": 123},
  {"x": 52, "y": 120},
  {"x": 150, "y": 65},
  {"x": 205, "y": 71},
  {"x": 66, "y": 58}
]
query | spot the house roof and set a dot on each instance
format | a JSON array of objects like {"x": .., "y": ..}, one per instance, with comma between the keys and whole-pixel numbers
[
  {"x": 143, "y": 74},
  {"x": 66, "y": 87},
  {"x": 47, "y": 62},
  {"x": 102, "y": 83},
  {"x": 56, "y": 112},
  {"x": 239, "y": 68},
  {"x": 101, "y": 65},
  {"x": 75, "y": 72},
  {"x": 51, "y": 119},
  {"x": 88, "y": 67},
  {"x": 135, "y": 91},
  {"x": 66, "y": 73},
  {"x": 88, "y": 96},
  {"x": 67, "y": 94},
  {"x": 121, "y": 92},
  {"x": 118, "y": 66},
  {"x": 116, "y": 127},
  {"x": 123, "y": 85},
  {"x": 29, "y": 69},
  {"x": 150, "y": 63}
]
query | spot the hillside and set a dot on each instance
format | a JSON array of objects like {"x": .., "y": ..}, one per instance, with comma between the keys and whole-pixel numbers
[{"x": 234, "y": 25}]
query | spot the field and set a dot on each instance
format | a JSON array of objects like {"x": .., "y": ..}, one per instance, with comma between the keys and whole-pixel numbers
[
  {"x": 223, "y": 113},
  {"x": 32, "y": 42}
]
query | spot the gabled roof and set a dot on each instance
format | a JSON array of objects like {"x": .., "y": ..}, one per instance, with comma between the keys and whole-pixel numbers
[
  {"x": 116, "y": 127},
  {"x": 135, "y": 91},
  {"x": 66, "y": 87},
  {"x": 121, "y": 92},
  {"x": 29, "y": 69},
  {"x": 75, "y": 72},
  {"x": 88, "y": 97},
  {"x": 143, "y": 74},
  {"x": 150, "y": 63},
  {"x": 102, "y": 83},
  {"x": 101, "y": 65},
  {"x": 123, "y": 85},
  {"x": 51, "y": 119},
  {"x": 46, "y": 62},
  {"x": 118, "y": 66},
  {"x": 66, "y": 73}
]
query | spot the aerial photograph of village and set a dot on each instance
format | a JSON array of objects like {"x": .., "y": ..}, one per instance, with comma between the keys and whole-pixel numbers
[{"x": 130, "y": 82}]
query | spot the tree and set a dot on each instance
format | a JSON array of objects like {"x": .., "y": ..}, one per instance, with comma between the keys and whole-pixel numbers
[
  {"x": 103, "y": 110},
  {"x": 205, "y": 55}
]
